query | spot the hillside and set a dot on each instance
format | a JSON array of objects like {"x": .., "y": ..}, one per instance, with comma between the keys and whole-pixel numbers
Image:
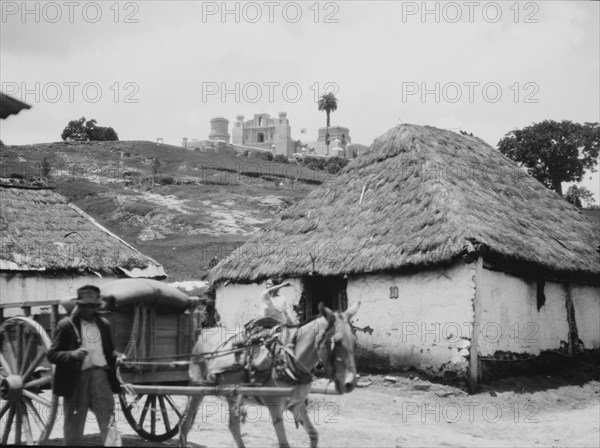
[{"x": 185, "y": 210}]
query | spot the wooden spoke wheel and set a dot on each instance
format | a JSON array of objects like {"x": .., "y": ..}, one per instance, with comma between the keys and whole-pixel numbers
[
  {"x": 153, "y": 417},
  {"x": 25, "y": 383}
]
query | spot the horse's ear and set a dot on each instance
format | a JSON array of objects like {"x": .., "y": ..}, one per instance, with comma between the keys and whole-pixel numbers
[
  {"x": 352, "y": 310},
  {"x": 326, "y": 312}
]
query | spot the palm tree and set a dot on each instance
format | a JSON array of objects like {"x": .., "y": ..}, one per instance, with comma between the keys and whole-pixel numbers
[{"x": 328, "y": 103}]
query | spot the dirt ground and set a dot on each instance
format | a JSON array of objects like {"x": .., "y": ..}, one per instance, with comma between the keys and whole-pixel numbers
[{"x": 406, "y": 410}]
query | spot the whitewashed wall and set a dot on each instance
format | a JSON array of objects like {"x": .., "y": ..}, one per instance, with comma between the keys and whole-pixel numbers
[
  {"x": 26, "y": 288},
  {"x": 430, "y": 325},
  {"x": 239, "y": 303},
  {"x": 510, "y": 320},
  {"x": 427, "y": 327},
  {"x": 586, "y": 300}
]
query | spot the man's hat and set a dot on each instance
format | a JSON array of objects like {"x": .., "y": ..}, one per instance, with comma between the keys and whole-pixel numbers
[{"x": 88, "y": 295}]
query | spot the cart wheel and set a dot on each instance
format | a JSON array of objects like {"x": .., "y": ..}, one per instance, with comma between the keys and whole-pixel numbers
[
  {"x": 25, "y": 383},
  {"x": 153, "y": 417}
]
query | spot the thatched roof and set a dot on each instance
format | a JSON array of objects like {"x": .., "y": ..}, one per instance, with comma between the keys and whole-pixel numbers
[
  {"x": 42, "y": 231},
  {"x": 10, "y": 105},
  {"x": 420, "y": 197}
]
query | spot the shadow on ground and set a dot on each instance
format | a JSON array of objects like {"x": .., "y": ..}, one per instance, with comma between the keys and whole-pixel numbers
[{"x": 128, "y": 440}]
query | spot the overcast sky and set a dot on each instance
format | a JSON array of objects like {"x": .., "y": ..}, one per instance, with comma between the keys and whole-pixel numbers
[{"x": 158, "y": 69}]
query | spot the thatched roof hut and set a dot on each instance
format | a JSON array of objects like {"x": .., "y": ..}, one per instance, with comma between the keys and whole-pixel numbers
[
  {"x": 421, "y": 197},
  {"x": 457, "y": 256},
  {"x": 42, "y": 231}
]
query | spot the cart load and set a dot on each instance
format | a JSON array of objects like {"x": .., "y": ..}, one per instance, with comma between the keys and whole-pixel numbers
[
  {"x": 125, "y": 294},
  {"x": 131, "y": 291}
]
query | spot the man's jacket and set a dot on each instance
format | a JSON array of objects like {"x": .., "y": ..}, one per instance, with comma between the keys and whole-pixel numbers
[{"x": 68, "y": 369}]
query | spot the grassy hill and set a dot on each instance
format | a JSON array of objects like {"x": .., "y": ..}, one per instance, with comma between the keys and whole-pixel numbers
[{"x": 181, "y": 207}]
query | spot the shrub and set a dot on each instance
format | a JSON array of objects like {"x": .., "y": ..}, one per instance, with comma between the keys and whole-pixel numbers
[
  {"x": 46, "y": 167},
  {"x": 336, "y": 164},
  {"x": 314, "y": 163},
  {"x": 262, "y": 155},
  {"x": 332, "y": 165},
  {"x": 281, "y": 158},
  {"x": 139, "y": 208},
  {"x": 167, "y": 180}
]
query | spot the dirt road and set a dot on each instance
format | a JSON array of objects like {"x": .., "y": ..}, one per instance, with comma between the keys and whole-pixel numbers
[{"x": 414, "y": 412}]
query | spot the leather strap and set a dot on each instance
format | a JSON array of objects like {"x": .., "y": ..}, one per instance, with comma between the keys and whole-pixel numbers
[{"x": 77, "y": 335}]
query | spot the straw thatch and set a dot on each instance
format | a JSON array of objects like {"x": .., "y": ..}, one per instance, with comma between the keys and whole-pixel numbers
[
  {"x": 10, "y": 106},
  {"x": 42, "y": 231},
  {"x": 420, "y": 197}
]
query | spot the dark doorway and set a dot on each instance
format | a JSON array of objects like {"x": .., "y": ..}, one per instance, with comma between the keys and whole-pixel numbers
[
  {"x": 261, "y": 137},
  {"x": 329, "y": 290}
]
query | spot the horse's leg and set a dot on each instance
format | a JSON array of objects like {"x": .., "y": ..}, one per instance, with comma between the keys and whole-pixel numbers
[
  {"x": 301, "y": 416},
  {"x": 234, "y": 420},
  {"x": 188, "y": 418},
  {"x": 276, "y": 411}
]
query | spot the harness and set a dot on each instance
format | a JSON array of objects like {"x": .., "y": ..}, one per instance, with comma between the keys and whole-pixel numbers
[{"x": 277, "y": 344}]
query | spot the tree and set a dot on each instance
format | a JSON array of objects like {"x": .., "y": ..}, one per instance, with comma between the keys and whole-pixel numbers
[
  {"x": 577, "y": 194},
  {"x": 75, "y": 131},
  {"x": 554, "y": 152},
  {"x": 328, "y": 103},
  {"x": 84, "y": 131},
  {"x": 102, "y": 134}
]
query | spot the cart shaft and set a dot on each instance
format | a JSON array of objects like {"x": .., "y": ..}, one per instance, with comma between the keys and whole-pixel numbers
[{"x": 211, "y": 390}]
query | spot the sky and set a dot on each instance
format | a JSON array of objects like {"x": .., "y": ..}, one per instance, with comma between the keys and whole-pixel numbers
[{"x": 157, "y": 69}]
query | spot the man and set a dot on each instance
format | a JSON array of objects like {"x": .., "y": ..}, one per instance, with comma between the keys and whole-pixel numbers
[{"x": 84, "y": 355}]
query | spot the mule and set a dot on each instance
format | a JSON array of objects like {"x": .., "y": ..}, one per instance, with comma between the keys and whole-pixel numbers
[{"x": 328, "y": 339}]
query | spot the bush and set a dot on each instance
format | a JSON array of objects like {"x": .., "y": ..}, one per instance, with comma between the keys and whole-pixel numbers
[
  {"x": 167, "y": 180},
  {"x": 332, "y": 165},
  {"x": 336, "y": 164},
  {"x": 268, "y": 156},
  {"x": 315, "y": 163},
  {"x": 280, "y": 158},
  {"x": 139, "y": 208},
  {"x": 46, "y": 168}
]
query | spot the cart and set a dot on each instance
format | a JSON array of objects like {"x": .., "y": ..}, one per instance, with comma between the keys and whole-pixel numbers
[{"x": 153, "y": 381}]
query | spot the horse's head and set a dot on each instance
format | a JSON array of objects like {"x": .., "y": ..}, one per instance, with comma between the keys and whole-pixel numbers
[{"x": 336, "y": 349}]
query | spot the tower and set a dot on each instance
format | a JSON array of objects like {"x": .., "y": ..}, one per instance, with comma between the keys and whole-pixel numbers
[
  {"x": 219, "y": 129},
  {"x": 237, "y": 132},
  {"x": 283, "y": 135}
]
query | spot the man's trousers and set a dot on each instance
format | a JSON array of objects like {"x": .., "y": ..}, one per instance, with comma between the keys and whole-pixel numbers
[{"x": 92, "y": 391}]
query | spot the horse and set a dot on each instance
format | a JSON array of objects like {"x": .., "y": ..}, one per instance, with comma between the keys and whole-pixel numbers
[{"x": 329, "y": 339}]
